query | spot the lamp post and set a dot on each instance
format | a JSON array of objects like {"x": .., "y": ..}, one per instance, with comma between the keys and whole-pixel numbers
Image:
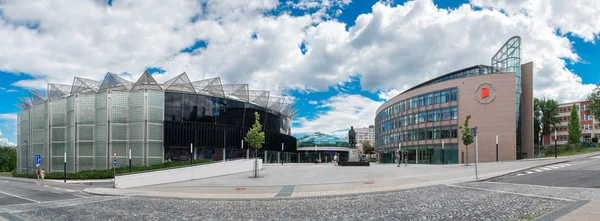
[
  {"x": 401, "y": 155},
  {"x": 496, "y": 148},
  {"x": 65, "y": 166},
  {"x": 191, "y": 153},
  {"x": 442, "y": 152},
  {"x": 282, "y": 153},
  {"x": 555, "y": 145},
  {"x": 130, "y": 160},
  {"x": 27, "y": 148}
]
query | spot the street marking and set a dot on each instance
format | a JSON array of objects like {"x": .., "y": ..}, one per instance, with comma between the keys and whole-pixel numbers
[
  {"x": 70, "y": 191},
  {"x": 35, "y": 201},
  {"x": 544, "y": 168},
  {"x": 537, "y": 170},
  {"x": 529, "y": 172}
]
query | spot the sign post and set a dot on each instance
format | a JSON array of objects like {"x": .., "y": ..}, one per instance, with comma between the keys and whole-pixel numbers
[
  {"x": 65, "y": 166},
  {"x": 474, "y": 134},
  {"x": 37, "y": 160},
  {"x": 114, "y": 166},
  {"x": 129, "y": 160}
]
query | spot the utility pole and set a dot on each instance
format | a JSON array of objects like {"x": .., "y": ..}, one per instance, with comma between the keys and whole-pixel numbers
[{"x": 65, "y": 166}]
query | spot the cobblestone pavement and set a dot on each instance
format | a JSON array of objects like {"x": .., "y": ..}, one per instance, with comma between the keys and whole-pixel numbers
[{"x": 428, "y": 203}]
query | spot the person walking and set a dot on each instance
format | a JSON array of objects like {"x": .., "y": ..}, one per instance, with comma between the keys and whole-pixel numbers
[
  {"x": 43, "y": 174},
  {"x": 405, "y": 159},
  {"x": 398, "y": 159},
  {"x": 335, "y": 159},
  {"x": 37, "y": 172}
]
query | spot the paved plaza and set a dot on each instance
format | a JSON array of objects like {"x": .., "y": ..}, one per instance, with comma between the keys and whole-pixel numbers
[{"x": 428, "y": 203}]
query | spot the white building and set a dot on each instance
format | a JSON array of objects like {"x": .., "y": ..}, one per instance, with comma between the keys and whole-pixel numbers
[{"x": 365, "y": 133}]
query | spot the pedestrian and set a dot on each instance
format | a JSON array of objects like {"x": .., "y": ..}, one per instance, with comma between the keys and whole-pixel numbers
[
  {"x": 335, "y": 159},
  {"x": 43, "y": 173},
  {"x": 405, "y": 159},
  {"x": 398, "y": 161},
  {"x": 37, "y": 172}
]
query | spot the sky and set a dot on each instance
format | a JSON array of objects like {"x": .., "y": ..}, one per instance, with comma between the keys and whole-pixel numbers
[{"x": 339, "y": 59}]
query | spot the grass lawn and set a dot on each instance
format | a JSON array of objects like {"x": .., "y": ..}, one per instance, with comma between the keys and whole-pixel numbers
[
  {"x": 548, "y": 151},
  {"x": 6, "y": 174}
]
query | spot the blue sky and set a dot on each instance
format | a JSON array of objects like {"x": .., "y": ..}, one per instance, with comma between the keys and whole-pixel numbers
[{"x": 339, "y": 59}]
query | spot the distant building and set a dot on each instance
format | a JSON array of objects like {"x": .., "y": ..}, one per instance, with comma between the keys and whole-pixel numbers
[
  {"x": 589, "y": 126},
  {"x": 365, "y": 133}
]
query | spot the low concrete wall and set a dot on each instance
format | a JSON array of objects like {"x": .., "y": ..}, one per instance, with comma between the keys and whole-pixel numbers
[{"x": 187, "y": 173}]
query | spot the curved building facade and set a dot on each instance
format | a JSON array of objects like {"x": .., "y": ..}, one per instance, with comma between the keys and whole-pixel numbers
[
  {"x": 92, "y": 121},
  {"x": 425, "y": 120}
]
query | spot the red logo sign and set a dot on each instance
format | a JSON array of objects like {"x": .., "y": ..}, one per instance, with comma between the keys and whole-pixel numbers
[{"x": 485, "y": 92}]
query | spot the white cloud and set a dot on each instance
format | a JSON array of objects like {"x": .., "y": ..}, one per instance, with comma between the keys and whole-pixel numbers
[
  {"x": 392, "y": 48},
  {"x": 344, "y": 111},
  {"x": 11, "y": 90},
  {"x": 313, "y": 102},
  {"x": 578, "y": 17},
  {"x": 4, "y": 142},
  {"x": 9, "y": 116}
]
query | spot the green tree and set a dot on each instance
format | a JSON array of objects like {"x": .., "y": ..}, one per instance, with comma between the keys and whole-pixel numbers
[
  {"x": 467, "y": 138},
  {"x": 366, "y": 147},
  {"x": 594, "y": 107},
  {"x": 574, "y": 127},
  {"x": 8, "y": 159},
  {"x": 255, "y": 138},
  {"x": 537, "y": 121},
  {"x": 549, "y": 117}
]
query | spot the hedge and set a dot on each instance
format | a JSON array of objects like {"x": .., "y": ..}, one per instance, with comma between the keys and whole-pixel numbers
[{"x": 108, "y": 174}]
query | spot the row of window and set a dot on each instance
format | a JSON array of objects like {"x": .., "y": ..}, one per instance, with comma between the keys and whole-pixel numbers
[
  {"x": 479, "y": 70},
  {"x": 431, "y": 133},
  {"x": 431, "y": 98},
  {"x": 568, "y": 109},
  {"x": 448, "y": 113}
]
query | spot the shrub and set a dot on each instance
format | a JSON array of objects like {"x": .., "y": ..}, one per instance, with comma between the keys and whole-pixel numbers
[
  {"x": 108, "y": 174},
  {"x": 594, "y": 140}
]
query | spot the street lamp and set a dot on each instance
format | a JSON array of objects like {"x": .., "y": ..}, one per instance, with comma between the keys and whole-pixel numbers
[
  {"x": 281, "y": 153},
  {"x": 555, "y": 145},
  {"x": 442, "y": 152},
  {"x": 496, "y": 148},
  {"x": 27, "y": 148}
]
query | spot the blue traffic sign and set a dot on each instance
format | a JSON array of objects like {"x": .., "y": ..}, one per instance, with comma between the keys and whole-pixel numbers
[
  {"x": 115, "y": 162},
  {"x": 37, "y": 159}
]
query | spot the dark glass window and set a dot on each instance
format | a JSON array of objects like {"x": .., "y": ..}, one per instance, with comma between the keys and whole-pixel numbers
[
  {"x": 436, "y": 115},
  {"x": 429, "y": 99},
  {"x": 445, "y": 132},
  {"x": 436, "y": 97},
  {"x": 454, "y": 94},
  {"x": 436, "y": 133},
  {"x": 446, "y": 114},
  {"x": 429, "y": 133},
  {"x": 444, "y": 96},
  {"x": 453, "y": 132},
  {"x": 454, "y": 113},
  {"x": 422, "y": 101},
  {"x": 430, "y": 116}
]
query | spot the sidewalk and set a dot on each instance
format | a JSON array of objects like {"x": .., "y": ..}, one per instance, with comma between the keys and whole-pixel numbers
[
  {"x": 310, "y": 180},
  {"x": 32, "y": 180},
  {"x": 588, "y": 211}
]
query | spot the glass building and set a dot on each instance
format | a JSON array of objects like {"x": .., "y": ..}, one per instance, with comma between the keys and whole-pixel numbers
[
  {"x": 90, "y": 120},
  {"x": 322, "y": 147},
  {"x": 423, "y": 117}
]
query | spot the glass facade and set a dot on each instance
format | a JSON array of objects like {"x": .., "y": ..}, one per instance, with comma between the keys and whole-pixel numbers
[
  {"x": 508, "y": 59},
  {"x": 391, "y": 120},
  {"x": 91, "y": 120},
  {"x": 322, "y": 140}
]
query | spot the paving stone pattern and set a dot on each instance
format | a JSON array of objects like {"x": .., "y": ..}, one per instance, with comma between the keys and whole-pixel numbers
[{"x": 427, "y": 203}]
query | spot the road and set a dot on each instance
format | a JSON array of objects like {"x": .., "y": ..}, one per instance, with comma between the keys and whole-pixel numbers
[
  {"x": 578, "y": 173},
  {"x": 19, "y": 195}
]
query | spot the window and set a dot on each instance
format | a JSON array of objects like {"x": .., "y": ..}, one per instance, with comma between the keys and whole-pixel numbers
[
  {"x": 453, "y": 132},
  {"x": 445, "y": 132},
  {"x": 429, "y": 99},
  {"x": 436, "y": 133},
  {"x": 436, "y": 115},
  {"x": 454, "y": 113},
  {"x": 421, "y": 117},
  {"x": 430, "y": 116},
  {"x": 415, "y": 102},
  {"x": 422, "y": 101},
  {"x": 454, "y": 94},
  {"x": 422, "y": 134},
  {"x": 446, "y": 114},
  {"x": 436, "y": 97},
  {"x": 429, "y": 133},
  {"x": 444, "y": 96}
]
